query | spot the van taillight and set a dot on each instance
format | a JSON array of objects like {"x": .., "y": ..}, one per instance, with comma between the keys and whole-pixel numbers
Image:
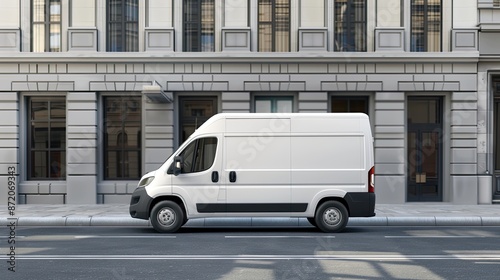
[{"x": 371, "y": 180}]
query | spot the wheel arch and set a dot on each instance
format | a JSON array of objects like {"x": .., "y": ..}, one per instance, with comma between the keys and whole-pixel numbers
[
  {"x": 333, "y": 198},
  {"x": 172, "y": 198}
]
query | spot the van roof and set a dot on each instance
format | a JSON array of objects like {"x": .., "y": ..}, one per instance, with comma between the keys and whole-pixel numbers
[
  {"x": 289, "y": 115},
  {"x": 324, "y": 122}
]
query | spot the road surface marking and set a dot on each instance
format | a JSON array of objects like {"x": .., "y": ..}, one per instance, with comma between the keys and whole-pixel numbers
[
  {"x": 470, "y": 257},
  {"x": 436, "y": 236},
  {"x": 275, "y": 236},
  {"x": 123, "y": 236}
]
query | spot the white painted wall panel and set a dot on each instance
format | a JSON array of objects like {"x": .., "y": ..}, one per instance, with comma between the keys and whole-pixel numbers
[
  {"x": 83, "y": 13},
  {"x": 236, "y": 13},
  {"x": 159, "y": 13},
  {"x": 464, "y": 13},
  {"x": 9, "y": 13},
  {"x": 312, "y": 13},
  {"x": 389, "y": 13}
]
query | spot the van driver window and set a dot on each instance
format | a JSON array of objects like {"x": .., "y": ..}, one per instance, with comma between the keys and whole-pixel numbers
[{"x": 199, "y": 155}]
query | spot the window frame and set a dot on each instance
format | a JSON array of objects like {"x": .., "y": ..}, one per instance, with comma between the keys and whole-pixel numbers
[
  {"x": 123, "y": 148},
  {"x": 273, "y": 23},
  {"x": 187, "y": 45},
  {"x": 197, "y": 121},
  {"x": 274, "y": 100},
  {"x": 342, "y": 28},
  {"x": 350, "y": 98},
  {"x": 48, "y": 149},
  {"x": 121, "y": 45},
  {"x": 199, "y": 145},
  {"x": 46, "y": 23},
  {"x": 425, "y": 32}
]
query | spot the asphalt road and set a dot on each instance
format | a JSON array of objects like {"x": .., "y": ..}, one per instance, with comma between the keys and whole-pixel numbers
[{"x": 357, "y": 253}]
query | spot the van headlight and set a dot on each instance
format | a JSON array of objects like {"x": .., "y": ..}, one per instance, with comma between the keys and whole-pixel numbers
[{"x": 146, "y": 181}]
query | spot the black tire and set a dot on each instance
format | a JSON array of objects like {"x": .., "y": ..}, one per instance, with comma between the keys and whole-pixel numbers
[
  {"x": 331, "y": 216},
  {"x": 312, "y": 221},
  {"x": 167, "y": 216}
]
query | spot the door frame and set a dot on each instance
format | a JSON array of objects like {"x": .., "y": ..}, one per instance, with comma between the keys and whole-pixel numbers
[
  {"x": 442, "y": 159},
  {"x": 494, "y": 79},
  {"x": 179, "y": 98}
]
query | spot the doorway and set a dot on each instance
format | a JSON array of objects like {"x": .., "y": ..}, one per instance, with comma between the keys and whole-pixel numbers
[
  {"x": 496, "y": 141},
  {"x": 193, "y": 112},
  {"x": 425, "y": 149}
]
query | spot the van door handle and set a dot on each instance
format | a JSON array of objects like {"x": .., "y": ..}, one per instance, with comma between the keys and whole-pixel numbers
[
  {"x": 215, "y": 177},
  {"x": 232, "y": 176}
]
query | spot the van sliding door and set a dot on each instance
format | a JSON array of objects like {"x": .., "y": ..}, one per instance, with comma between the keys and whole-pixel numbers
[{"x": 257, "y": 165}]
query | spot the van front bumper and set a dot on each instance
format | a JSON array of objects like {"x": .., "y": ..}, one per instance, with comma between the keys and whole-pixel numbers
[
  {"x": 140, "y": 203},
  {"x": 360, "y": 204}
]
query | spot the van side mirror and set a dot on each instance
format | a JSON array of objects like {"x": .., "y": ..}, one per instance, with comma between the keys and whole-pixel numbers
[{"x": 177, "y": 165}]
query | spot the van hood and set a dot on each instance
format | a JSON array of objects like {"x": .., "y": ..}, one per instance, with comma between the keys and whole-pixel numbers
[{"x": 149, "y": 174}]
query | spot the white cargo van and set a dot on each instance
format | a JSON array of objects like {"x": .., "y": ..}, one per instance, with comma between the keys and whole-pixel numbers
[{"x": 318, "y": 166}]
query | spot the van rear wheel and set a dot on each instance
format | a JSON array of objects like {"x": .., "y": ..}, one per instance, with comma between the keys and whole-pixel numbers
[
  {"x": 167, "y": 216},
  {"x": 331, "y": 216}
]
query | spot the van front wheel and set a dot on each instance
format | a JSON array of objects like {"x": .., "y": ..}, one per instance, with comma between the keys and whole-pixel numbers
[
  {"x": 167, "y": 216},
  {"x": 331, "y": 216}
]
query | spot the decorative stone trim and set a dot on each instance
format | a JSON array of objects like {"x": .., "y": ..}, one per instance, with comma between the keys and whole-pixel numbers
[
  {"x": 159, "y": 40},
  {"x": 464, "y": 39},
  {"x": 389, "y": 40},
  {"x": 82, "y": 39},
  {"x": 10, "y": 40},
  {"x": 236, "y": 39},
  {"x": 313, "y": 39}
]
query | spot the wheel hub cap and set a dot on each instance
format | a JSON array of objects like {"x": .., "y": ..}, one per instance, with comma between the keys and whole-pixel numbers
[
  {"x": 332, "y": 216},
  {"x": 166, "y": 216}
]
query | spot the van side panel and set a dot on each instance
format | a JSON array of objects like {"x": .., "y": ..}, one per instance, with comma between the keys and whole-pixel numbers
[
  {"x": 328, "y": 152},
  {"x": 262, "y": 170},
  {"x": 258, "y": 154}
]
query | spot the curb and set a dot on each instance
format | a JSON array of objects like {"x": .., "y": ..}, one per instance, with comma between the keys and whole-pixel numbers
[
  {"x": 74, "y": 221},
  {"x": 250, "y": 222}
]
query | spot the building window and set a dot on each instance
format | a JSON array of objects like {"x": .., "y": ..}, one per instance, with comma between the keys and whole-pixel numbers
[
  {"x": 122, "y": 137},
  {"x": 273, "y": 104},
  {"x": 193, "y": 112},
  {"x": 123, "y": 26},
  {"x": 350, "y": 25},
  {"x": 351, "y": 104},
  {"x": 199, "y": 26},
  {"x": 274, "y": 26},
  {"x": 426, "y": 25},
  {"x": 47, "y": 138},
  {"x": 46, "y": 26}
]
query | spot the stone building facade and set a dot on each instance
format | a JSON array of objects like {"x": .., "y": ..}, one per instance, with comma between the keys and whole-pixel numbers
[{"x": 93, "y": 94}]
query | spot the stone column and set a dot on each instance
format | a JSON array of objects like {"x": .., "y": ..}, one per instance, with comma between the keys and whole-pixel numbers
[
  {"x": 9, "y": 145},
  {"x": 313, "y": 102},
  {"x": 236, "y": 102},
  {"x": 81, "y": 123},
  {"x": 464, "y": 137},
  {"x": 390, "y": 158}
]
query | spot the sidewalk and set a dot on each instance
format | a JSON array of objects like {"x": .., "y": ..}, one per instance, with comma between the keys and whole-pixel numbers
[{"x": 410, "y": 214}]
